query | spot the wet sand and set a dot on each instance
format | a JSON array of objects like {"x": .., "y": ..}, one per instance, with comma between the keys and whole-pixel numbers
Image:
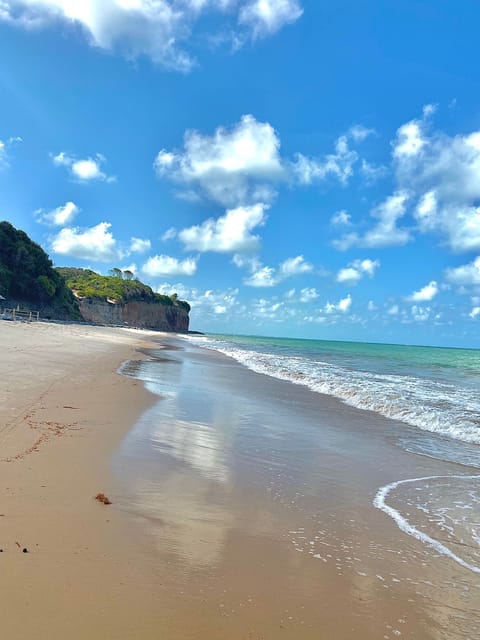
[
  {"x": 257, "y": 496},
  {"x": 242, "y": 505}
]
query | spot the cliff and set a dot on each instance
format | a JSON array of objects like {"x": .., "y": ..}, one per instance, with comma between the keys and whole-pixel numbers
[
  {"x": 121, "y": 299},
  {"x": 29, "y": 280},
  {"x": 144, "y": 315}
]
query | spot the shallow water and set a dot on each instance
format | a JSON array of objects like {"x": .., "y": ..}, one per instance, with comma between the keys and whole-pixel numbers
[{"x": 434, "y": 389}]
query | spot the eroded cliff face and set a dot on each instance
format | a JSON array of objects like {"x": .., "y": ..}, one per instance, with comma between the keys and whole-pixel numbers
[{"x": 144, "y": 315}]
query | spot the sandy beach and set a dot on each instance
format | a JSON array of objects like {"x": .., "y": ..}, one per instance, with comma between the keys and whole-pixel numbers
[
  {"x": 242, "y": 505},
  {"x": 63, "y": 410}
]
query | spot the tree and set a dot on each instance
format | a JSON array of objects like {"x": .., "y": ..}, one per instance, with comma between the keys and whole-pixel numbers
[
  {"x": 116, "y": 273},
  {"x": 174, "y": 297},
  {"x": 128, "y": 275}
]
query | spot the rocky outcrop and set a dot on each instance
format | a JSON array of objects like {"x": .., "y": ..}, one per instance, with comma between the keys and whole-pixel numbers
[{"x": 144, "y": 315}]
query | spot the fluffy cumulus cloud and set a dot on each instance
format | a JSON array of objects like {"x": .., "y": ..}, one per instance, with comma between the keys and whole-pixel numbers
[
  {"x": 94, "y": 243},
  {"x": 232, "y": 166},
  {"x": 139, "y": 245},
  {"x": 426, "y": 293},
  {"x": 443, "y": 173},
  {"x": 231, "y": 232},
  {"x": 437, "y": 185},
  {"x": 83, "y": 170},
  {"x": 158, "y": 29},
  {"x": 60, "y": 216},
  {"x": 474, "y": 313},
  {"x": 356, "y": 270},
  {"x": 385, "y": 232},
  {"x": 164, "y": 266},
  {"x": 243, "y": 164},
  {"x": 264, "y": 276},
  {"x": 466, "y": 274}
]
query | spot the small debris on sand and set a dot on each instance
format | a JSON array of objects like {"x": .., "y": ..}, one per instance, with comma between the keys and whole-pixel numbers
[{"x": 101, "y": 497}]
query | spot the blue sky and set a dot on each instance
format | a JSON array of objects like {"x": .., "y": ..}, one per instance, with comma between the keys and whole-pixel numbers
[{"x": 290, "y": 167}]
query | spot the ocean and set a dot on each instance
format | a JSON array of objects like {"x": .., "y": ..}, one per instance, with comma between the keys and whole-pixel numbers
[{"x": 434, "y": 389}]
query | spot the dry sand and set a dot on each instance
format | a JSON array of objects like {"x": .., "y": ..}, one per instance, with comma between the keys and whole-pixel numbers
[{"x": 63, "y": 410}]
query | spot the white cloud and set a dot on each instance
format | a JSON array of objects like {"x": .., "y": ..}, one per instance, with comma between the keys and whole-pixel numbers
[
  {"x": 443, "y": 172},
  {"x": 307, "y": 294},
  {"x": 95, "y": 243},
  {"x": 356, "y": 270},
  {"x": 359, "y": 133},
  {"x": 437, "y": 180},
  {"x": 60, "y": 216},
  {"x": 385, "y": 233},
  {"x": 466, "y": 274},
  {"x": 169, "y": 234},
  {"x": 3, "y": 154},
  {"x": 294, "y": 266},
  {"x": 371, "y": 306},
  {"x": 410, "y": 140},
  {"x": 167, "y": 266},
  {"x": 157, "y": 29},
  {"x": 138, "y": 245},
  {"x": 85, "y": 169},
  {"x": 229, "y": 233},
  {"x": 394, "y": 310},
  {"x": 426, "y": 293},
  {"x": 232, "y": 166},
  {"x": 6, "y": 144},
  {"x": 372, "y": 172},
  {"x": 243, "y": 164},
  {"x": 263, "y": 276},
  {"x": 337, "y": 165},
  {"x": 341, "y": 218},
  {"x": 268, "y": 16},
  {"x": 341, "y": 306},
  {"x": 204, "y": 303},
  {"x": 475, "y": 313}
]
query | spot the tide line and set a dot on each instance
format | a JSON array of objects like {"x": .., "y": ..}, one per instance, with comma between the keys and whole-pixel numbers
[{"x": 403, "y": 524}]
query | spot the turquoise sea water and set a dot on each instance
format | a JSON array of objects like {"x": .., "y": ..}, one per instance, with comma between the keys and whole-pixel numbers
[{"x": 433, "y": 389}]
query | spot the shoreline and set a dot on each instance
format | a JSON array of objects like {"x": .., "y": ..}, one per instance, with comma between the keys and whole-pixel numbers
[
  {"x": 258, "y": 498},
  {"x": 64, "y": 410},
  {"x": 242, "y": 504}
]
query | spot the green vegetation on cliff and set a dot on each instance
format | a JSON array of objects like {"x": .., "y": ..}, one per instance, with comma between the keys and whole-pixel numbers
[
  {"x": 119, "y": 287},
  {"x": 28, "y": 277}
]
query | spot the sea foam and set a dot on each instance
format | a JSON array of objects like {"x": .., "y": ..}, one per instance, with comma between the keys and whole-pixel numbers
[
  {"x": 438, "y": 406},
  {"x": 407, "y": 527}
]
